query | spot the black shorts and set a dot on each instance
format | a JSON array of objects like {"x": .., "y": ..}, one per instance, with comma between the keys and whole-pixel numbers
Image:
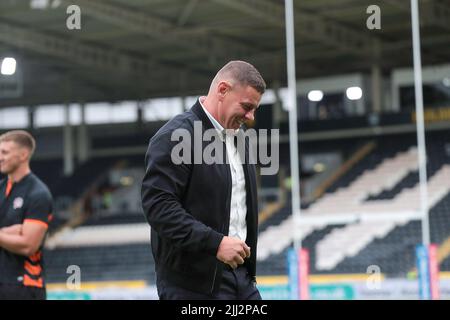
[{"x": 18, "y": 292}]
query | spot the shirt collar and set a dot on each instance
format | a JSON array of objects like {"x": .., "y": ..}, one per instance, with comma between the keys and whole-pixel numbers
[{"x": 216, "y": 124}]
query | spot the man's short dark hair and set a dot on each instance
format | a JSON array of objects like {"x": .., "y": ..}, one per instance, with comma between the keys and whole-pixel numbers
[
  {"x": 21, "y": 137},
  {"x": 244, "y": 74}
]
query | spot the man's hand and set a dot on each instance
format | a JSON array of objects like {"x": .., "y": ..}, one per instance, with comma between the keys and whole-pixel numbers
[
  {"x": 233, "y": 251},
  {"x": 14, "y": 229}
]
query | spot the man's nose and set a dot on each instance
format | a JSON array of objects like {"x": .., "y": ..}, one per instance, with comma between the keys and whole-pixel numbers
[{"x": 250, "y": 115}]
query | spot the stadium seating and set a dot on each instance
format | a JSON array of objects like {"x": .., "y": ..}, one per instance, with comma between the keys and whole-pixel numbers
[
  {"x": 101, "y": 263},
  {"x": 352, "y": 247},
  {"x": 108, "y": 248}
]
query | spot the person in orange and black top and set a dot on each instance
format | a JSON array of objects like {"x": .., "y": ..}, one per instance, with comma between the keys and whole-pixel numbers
[{"x": 25, "y": 212}]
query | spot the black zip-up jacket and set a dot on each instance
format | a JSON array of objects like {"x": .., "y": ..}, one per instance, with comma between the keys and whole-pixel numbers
[{"x": 188, "y": 208}]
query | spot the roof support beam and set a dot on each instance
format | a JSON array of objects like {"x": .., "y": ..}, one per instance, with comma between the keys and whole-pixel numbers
[
  {"x": 162, "y": 30},
  {"x": 78, "y": 53},
  {"x": 432, "y": 12},
  {"x": 436, "y": 13},
  {"x": 187, "y": 11},
  {"x": 307, "y": 24}
]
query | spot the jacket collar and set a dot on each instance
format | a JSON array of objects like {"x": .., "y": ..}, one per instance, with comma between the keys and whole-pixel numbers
[{"x": 200, "y": 113}]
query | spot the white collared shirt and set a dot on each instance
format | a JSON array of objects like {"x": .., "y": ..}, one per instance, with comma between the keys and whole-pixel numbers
[{"x": 238, "y": 206}]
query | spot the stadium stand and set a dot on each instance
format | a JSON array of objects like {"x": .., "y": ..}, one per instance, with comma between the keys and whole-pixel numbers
[
  {"x": 388, "y": 173},
  {"x": 102, "y": 263},
  {"x": 110, "y": 235}
]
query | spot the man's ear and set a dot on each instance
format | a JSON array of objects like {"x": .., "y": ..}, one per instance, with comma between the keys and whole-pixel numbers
[
  {"x": 24, "y": 154},
  {"x": 222, "y": 88}
]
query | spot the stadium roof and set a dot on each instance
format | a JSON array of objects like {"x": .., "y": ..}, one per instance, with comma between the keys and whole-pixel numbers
[{"x": 149, "y": 48}]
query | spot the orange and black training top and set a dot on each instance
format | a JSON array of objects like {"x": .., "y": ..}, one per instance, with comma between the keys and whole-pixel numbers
[{"x": 26, "y": 200}]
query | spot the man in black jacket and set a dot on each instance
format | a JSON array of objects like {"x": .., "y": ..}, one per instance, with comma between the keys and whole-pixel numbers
[{"x": 203, "y": 214}]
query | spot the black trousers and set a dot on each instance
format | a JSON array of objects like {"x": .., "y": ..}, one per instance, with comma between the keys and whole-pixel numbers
[
  {"x": 236, "y": 285},
  {"x": 19, "y": 292}
]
